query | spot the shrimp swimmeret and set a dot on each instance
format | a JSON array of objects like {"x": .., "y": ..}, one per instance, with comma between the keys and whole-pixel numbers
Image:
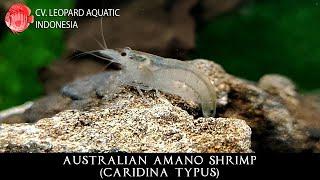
[{"x": 147, "y": 71}]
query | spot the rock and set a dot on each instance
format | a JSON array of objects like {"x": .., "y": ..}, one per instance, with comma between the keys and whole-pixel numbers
[
  {"x": 308, "y": 114},
  {"x": 280, "y": 86},
  {"x": 274, "y": 125},
  {"x": 127, "y": 124},
  {"x": 13, "y": 119},
  {"x": 46, "y": 107},
  {"x": 86, "y": 87},
  {"x": 270, "y": 108},
  {"x": 13, "y": 115},
  {"x": 304, "y": 109}
]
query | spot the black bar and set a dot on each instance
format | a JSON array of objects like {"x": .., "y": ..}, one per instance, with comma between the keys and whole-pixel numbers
[{"x": 230, "y": 166}]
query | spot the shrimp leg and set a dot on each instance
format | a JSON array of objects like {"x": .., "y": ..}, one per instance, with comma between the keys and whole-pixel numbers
[
  {"x": 141, "y": 94},
  {"x": 158, "y": 93}
]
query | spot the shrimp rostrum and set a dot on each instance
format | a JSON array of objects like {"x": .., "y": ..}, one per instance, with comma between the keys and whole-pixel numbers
[{"x": 147, "y": 71}]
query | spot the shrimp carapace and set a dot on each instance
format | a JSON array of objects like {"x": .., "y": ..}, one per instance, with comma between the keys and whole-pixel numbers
[{"x": 147, "y": 71}]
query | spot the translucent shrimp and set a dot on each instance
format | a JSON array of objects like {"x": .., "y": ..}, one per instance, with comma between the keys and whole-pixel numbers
[{"x": 147, "y": 71}]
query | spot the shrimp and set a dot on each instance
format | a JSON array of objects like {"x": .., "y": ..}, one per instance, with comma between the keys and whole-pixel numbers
[{"x": 147, "y": 71}]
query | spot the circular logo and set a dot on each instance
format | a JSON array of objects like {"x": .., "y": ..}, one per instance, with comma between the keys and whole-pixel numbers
[{"x": 18, "y": 18}]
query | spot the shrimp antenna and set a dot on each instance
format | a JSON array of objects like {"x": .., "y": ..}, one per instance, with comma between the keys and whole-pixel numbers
[
  {"x": 99, "y": 43},
  {"x": 102, "y": 33},
  {"x": 79, "y": 53},
  {"x": 94, "y": 53}
]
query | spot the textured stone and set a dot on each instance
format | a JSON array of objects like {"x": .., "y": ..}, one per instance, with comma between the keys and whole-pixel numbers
[
  {"x": 128, "y": 124},
  {"x": 46, "y": 107},
  {"x": 86, "y": 87},
  {"x": 14, "y": 114},
  {"x": 280, "y": 86},
  {"x": 281, "y": 120},
  {"x": 269, "y": 111}
]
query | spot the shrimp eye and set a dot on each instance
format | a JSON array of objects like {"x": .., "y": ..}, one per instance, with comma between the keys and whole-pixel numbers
[{"x": 123, "y": 54}]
